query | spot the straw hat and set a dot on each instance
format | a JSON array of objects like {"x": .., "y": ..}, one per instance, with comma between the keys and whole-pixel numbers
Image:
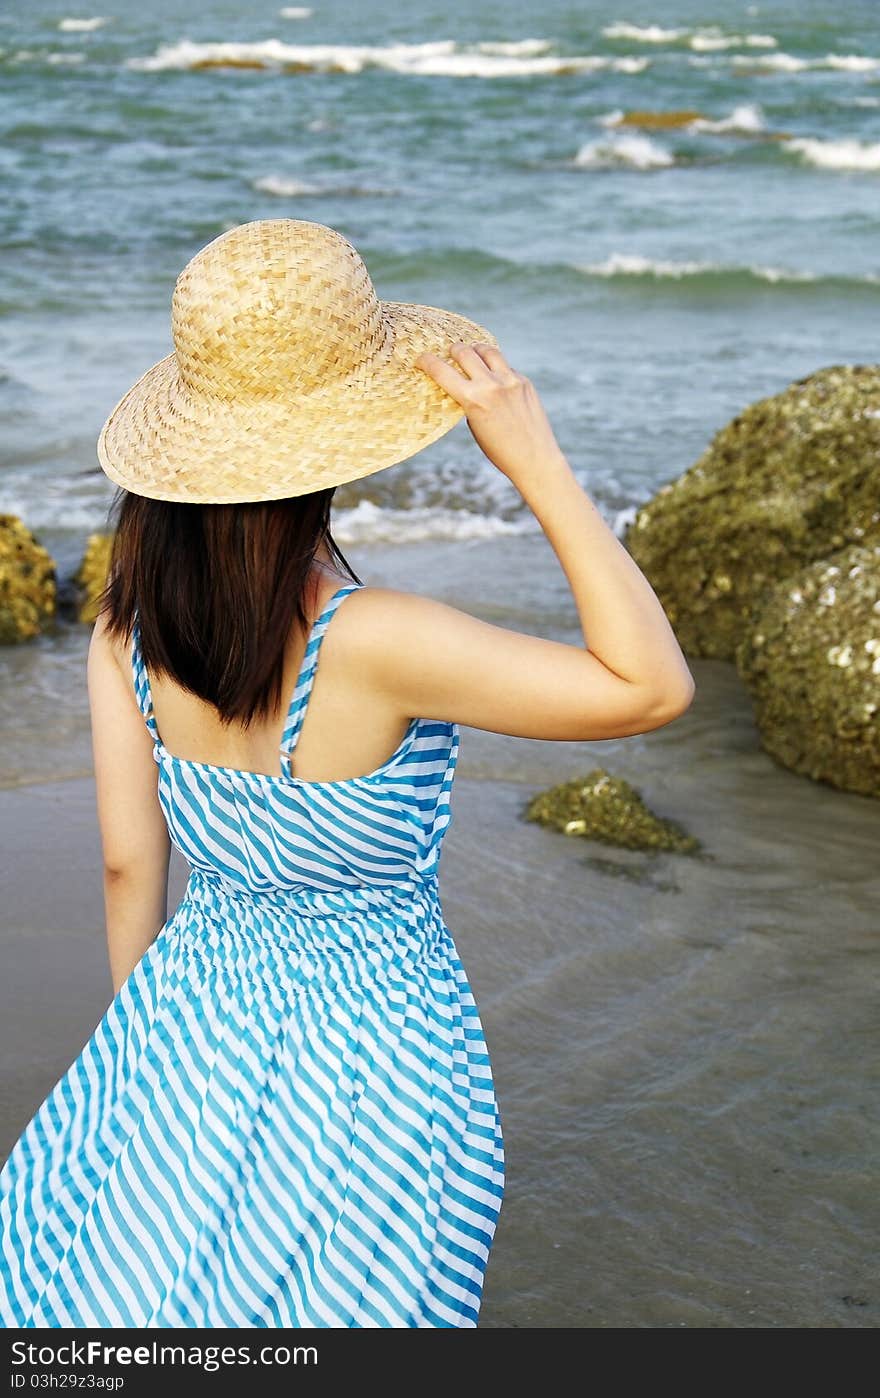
[{"x": 288, "y": 374}]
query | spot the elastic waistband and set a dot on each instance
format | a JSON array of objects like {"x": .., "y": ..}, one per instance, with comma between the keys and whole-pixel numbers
[
  {"x": 393, "y": 922},
  {"x": 305, "y": 901}
]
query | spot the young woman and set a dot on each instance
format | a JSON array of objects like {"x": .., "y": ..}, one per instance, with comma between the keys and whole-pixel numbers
[{"x": 287, "y": 1115}]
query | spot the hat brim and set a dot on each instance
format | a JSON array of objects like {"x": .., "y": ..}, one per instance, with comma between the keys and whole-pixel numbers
[{"x": 166, "y": 443}]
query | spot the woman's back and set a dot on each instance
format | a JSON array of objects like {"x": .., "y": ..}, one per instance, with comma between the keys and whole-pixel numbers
[
  {"x": 349, "y": 729},
  {"x": 259, "y": 830}
]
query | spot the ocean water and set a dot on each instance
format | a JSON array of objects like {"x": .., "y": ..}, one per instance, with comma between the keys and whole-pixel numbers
[{"x": 690, "y": 1127}]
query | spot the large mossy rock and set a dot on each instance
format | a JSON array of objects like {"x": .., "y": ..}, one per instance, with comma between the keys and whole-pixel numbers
[
  {"x": 792, "y": 479},
  {"x": 27, "y": 583},
  {"x": 812, "y": 664},
  {"x": 601, "y": 807},
  {"x": 91, "y": 576}
]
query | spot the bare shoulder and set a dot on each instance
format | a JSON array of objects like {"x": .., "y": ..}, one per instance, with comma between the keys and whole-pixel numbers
[
  {"x": 106, "y": 649},
  {"x": 383, "y": 622},
  {"x": 389, "y": 604}
]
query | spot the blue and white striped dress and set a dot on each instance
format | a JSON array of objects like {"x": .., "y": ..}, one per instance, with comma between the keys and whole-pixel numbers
[{"x": 286, "y": 1117}]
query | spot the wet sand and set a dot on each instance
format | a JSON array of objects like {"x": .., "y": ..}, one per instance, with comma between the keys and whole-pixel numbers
[{"x": 685, "y": 1050}]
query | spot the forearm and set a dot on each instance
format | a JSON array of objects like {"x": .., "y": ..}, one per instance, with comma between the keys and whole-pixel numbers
[
  {"x": 622, "y": 620},
  {"x": 135, "y": 904}
]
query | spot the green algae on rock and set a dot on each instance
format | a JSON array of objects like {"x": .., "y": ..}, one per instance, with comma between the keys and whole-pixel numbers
[
  {"x": 790, "y": 480},
  {"x": 601, "y": 807},
  {"x": 658, "y": 121},
  {"x": 91, "y": 576},
  {"x": 812, "y": 664},
  {"x": 27, "y": 583}
]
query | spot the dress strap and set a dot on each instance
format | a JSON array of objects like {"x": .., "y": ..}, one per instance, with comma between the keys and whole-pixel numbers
[
  {"x": 142, "y": 692},
  {"x": 298, "y": 704}
]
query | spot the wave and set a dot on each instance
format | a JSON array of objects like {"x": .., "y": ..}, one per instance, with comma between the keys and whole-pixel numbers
[
  {"x": 847, "y": 154},
  {"x": 706, "y": 39},
  {"x": 789, "y": 63},
  {"x": 637, "y": 152},
  {"x": 642, "y": 34},
  {"x": 367, "y": 523},
  {"x": 64, "y": 59},
  {"x": 746, "y": 120},
  {"x": 283, "y": 187},
  {"x": 81, "y": 26},
  {"x": 710, "y": 41},
  {"x": 296, "y": 12},
  {"x": 634, "y": 265},
  {"x": 851, "y": 62},
  {"x": 441, "y": 58},
  {"x": 517, "y": 48}
]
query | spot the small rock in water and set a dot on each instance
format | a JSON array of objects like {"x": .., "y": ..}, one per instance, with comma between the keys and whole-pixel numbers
[
  {"x": 601, "y": 807},
  {"x": 27, "y": 583},
  {"x": 658, "y": 121}
]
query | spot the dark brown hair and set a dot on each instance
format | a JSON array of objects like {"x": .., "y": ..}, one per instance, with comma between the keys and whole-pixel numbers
[{"x": 216, "y": 590}]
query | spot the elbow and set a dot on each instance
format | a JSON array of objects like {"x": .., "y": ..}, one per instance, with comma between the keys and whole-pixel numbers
[
  {"x": 118, "y": 872},
  {"x": 672, "y": 701}
]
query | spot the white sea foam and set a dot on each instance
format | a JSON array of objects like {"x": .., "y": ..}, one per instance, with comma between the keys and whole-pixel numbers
[
  {"x": 747, "y": 119},
  {"x": 851, "y": 63},
  {"x": 865, "y": 102},
  {"x": 81, "y": 26},
  {"x": 296, "y": 12},
  {"x": 64, "y": 60},
  {"x": 285, "y": 187},
  {"x": 517, "y": 48},
  {"x": 623, "y": 264},
  {"x": 642, "y": 33},
  {"x": 622, "y": 519},
  {"x": 629, "y": 65},
  {"x": 272, "y": 53},
  {"x": 790, "y": 63},
  {"x": 636, "y": 151},
  {"x": 484, "y": 65},
  {"x": 711, "y": 40},
  {"x": 441, "y": 58},
  {"x": 781, "y": 62},
  {"x": 847, "y": 154},
  {"x": 705, "y": 39},
  {"x": 368, "y": 523}
]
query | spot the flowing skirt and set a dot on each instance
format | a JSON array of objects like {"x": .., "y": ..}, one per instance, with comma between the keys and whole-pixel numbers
[{"x": 285, "y": 1118}]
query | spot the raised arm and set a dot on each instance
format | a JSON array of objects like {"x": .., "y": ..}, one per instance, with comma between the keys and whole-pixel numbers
[{"x": 630, "y": 675}]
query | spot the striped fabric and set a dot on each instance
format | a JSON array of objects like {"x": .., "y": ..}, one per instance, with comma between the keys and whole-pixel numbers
[{"x": 286, "y": 1117}]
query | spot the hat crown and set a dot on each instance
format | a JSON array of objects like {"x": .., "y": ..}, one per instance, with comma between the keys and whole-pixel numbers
[{"x": 278, "y": 307}]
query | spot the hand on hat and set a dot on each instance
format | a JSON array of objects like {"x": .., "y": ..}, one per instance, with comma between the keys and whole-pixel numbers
[{"x": 504, "y": 412}]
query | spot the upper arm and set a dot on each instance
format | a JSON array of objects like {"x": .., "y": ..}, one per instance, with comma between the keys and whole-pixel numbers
[
  {"x": 134, "y": 834},
  {"x": 439, "y": 662}
]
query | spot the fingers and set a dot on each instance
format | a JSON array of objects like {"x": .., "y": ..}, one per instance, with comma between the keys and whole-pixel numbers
[
  {"x": 470, "y": 361},
  {"x": 493, "y": 358},
  {"x": 476, "y": 362},
  {"x": 456, "y": 384}
]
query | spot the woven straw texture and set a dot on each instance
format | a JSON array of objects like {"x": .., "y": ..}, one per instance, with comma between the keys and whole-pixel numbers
[{"x": 288, "y": 374}]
